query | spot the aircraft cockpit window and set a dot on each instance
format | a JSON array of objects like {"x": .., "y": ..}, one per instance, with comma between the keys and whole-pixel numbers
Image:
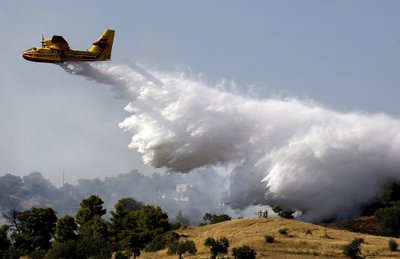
[{"x": 30, "y": 49}]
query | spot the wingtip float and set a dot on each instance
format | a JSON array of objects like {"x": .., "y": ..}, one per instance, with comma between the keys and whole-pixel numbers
[{"x": 56, "y": 50}]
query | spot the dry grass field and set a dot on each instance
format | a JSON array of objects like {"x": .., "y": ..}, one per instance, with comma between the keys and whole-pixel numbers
[{"x": 304, "y": 240}]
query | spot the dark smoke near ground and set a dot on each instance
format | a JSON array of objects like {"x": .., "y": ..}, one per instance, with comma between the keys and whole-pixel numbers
[
  {"x": 293, "y": 153},
  {"x": 172, "y": 192}
]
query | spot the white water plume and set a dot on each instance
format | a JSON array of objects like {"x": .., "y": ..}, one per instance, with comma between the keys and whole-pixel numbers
[{"x": 289, "y": 152}]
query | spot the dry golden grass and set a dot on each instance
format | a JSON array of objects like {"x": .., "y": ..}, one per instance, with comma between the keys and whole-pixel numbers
[{"x": 321, "y": 243}]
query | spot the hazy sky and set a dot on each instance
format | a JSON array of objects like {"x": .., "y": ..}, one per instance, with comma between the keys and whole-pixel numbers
[{"x": 344, "y": 55}]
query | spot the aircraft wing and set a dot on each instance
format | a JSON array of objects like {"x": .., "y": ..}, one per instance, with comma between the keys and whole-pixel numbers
[{"x": 59, "y": 42}]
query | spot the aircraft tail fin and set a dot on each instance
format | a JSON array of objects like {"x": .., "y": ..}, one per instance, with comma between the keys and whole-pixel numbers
[{"x": 103, "y": 45}]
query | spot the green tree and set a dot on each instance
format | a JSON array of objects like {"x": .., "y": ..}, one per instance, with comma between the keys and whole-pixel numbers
[
  {"x": 89, "y": 218},
  {"x": 217, "y": 247},
  {"x": 244, "y": 252},
  {"x": 390, "y": 218},
  {"x": 65, "y": 250},
  {"x": 4, "y": 241},
  {"x": 141, "y": 227},
  {"x": 92, "y": 247},
  {"x": 36, "y": 228},
  {"x": 127, "y": 205},
  {"x": 156, "y": 244},
  {"x": 90, "y": 207},
  {"x": 122, "y": 209},
  {"x": 214, "y": 218},
  {"x": 181, "y": 247},
  {"x": 93, "y": 229},
  {"x": 159, "y": 242},
  {"x": 131, "y": 238},
  {"x": 132, "y": 242},
  {"x": 152, "y": 221},
  {"x": 96, "y": 228},
  {"x": 66, "y": 229},
  {"x": 65, "y": 237}
]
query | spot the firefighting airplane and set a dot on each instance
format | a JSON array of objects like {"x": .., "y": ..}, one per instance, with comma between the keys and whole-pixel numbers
[{"x": 56, "y": 50}]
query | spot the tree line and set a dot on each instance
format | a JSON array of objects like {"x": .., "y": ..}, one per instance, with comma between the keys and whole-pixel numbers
[
  {"x": 132, "y": 227},
  {"x": 38, "y": 233},
  {"x": 163, "y": 190}
]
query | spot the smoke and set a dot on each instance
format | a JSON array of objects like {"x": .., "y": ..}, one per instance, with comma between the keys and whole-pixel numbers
[
  {"x": 290, "y": 152},
  {"x": 174, "y": 193}
]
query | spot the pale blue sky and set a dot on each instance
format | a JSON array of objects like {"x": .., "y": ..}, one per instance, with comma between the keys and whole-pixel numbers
[{"x": 342, "y": 54}]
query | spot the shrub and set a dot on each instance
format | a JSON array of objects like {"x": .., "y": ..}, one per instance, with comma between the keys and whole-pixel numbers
[
  {"x": 156, "y": 244},
  {"x": 120, "y": 255},
  {"x": 90, "y": 246},
  {"x": 244, "y": 252},
  {"x": 217, "y": 247},
  {"x": 170, "y": 237},
  {"x": 65, "y": 250},
  {"x": 288, "y": 214},
  {"x": 190, "y": 247},
  {"x": 393, "y": 245},
  {"x": 283, "y": 231},
  {"x": 353, "y": 249},
  {"x": 359, "y": 240},
  {"x": 309, "y": 232},
  {"x": 176, "y": 226},
  {"x": 181, "y": 247},
  {"x": 214, "y": 218},
  {"x": 159, "y": 242},
  {"x": 269, "y": 239},
  {"x": 389, "y": 218}
]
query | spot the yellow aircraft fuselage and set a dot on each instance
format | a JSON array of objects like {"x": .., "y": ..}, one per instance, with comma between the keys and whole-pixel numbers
[{"x": 56, "y": 50}]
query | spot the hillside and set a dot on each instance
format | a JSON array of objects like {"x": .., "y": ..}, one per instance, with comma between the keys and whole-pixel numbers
[
  {"x": 321, "y": 243},
  {"x": 366, "y": 224}
]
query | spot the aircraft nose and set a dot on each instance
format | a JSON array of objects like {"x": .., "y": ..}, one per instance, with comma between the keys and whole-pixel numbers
[{"x": 27, "y": 56}]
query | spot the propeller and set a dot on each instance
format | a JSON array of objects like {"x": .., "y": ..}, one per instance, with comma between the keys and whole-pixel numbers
[{"x": 42, "y": 41}]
